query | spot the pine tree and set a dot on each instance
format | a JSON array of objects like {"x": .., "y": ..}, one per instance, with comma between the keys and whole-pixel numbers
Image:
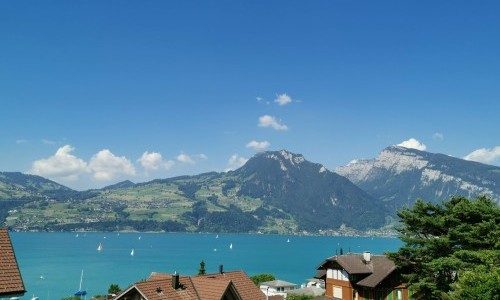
[
  {"x": 201, "y": 270},
  {"x": 445, "y": 243}
]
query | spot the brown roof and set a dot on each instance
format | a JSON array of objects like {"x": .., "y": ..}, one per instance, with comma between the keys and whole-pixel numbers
[
  {"x": 160, "y": 288},
  {"x": 11, "y": 282},
  {"x": 207, "y": 287},
  {"x": 379, "y": 267},
  {"x": 245, "y": 286}
]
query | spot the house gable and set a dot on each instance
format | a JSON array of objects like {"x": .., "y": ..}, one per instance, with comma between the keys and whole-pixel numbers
[
  {"x": 360, "y": 275},
  {"x": 11, "y": 282}
]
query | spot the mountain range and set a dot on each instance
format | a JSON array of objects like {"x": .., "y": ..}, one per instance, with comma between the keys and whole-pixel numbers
[
  {"x": 274, "y": 192},
  {"x": 399, "y": 176}
]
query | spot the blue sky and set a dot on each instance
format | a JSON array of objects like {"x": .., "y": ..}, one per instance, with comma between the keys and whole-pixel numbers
[{"x": 95, "y": 92}]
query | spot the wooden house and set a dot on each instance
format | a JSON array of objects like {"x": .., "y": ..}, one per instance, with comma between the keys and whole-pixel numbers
[{"x": 363, "y": 276}]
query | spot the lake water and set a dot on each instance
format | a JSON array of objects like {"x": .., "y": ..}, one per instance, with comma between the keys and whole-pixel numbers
[{"x": 51, "y": 263}]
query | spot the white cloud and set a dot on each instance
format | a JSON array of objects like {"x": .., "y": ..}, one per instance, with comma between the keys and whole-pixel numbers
[
  {"x": 48, "y": 142},
  {"x": 283, "y": 99},
  {"x": 153, "y": 161},
  {"x": 235, "y": 161},
  {"x": 258, "y": 146},
  {"x": 106, "y": 166},
  {"x": 484, "y": 155},
  {"x": 438, "y": 136},
  {"x": 21, "y": 141},
  {"x": 413, "y": 144},
  {"x": 270, "y": 121},
  {"x": 191, "y": 159},
  {"x": 184, "y": 158},
  {"x": 201, "y": 156},
  {"x": 61, "y": 165}
]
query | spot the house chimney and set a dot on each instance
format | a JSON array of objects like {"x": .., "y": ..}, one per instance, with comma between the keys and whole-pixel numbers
[
  {"x": 367, "y": 256},
  {"x": 221, "y": 269},
  {"x": 175, "y": 281}
]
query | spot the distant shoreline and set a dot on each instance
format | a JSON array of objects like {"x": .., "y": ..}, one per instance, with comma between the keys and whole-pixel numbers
[{"x": 385, "y": 234}]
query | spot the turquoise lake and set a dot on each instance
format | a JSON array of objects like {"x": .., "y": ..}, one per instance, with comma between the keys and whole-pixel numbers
[{"x": 51, "y": 263}]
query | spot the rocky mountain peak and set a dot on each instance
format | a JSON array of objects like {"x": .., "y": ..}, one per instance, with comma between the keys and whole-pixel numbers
[{"x": 401, "y": 175}]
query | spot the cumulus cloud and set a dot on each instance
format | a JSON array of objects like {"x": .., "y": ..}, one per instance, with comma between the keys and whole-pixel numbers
[
  {"x": 107, "y": 166},
  {"x": 61, "y": 165},
  {"x": 258, "y": 146},
  {"x": 484, "y": 155},
  {"x": 235, "y": 161},
  {"x": 184, "y": 158},
  {"x": 191, "y": 159},
  {"x": 153, "y": 161},
  {"x": 283, "y": 99},
  {"x": 270, "y": 121},
  {"x": 438, "y": 136},
  {"x": 201, "y": 156},
  {"x": 413, "y": 144}
]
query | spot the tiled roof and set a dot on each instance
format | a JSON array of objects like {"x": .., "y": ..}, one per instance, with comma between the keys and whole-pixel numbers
[
  {"x": 160, "y": 288},
  {"x": 11, "y": 281},
  {"x": 206, "y": 287},
  {"x": 245, "y": 286},
  {"x": 211, "y": 288},
  {"x": 379, "y": 267}
]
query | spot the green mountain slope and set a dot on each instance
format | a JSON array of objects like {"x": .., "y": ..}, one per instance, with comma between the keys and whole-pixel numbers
[{"x": 276, "y": 192}]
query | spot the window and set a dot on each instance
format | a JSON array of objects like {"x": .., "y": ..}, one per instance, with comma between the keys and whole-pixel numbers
[
  {"x": 337, "y": 292},
  {"x": 399, "y": 295}
]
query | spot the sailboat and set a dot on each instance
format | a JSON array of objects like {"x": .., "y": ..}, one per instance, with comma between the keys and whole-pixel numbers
[
  {"x": 132, "y": 252},
  {"x": 99, "y": 248},
  {"x": 80, "y": 292},
  {"x": 231, "y": 246}
]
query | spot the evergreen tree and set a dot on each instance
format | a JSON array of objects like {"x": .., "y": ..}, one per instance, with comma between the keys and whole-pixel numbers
[
  {"x": 445, "y": 243},
  {"x": 201, "y": 270},
  {"x": 114, "y": 289}
]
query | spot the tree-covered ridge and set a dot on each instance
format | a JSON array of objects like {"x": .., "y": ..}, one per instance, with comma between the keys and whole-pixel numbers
[
  {"x": 274, "y": 192},
  {"x": 452, "y": 250}
]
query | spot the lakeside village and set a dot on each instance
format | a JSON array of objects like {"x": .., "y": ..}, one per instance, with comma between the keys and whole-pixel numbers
[
  {"x": 451, "y": 251},
  {"x": 337, "y": 277}
]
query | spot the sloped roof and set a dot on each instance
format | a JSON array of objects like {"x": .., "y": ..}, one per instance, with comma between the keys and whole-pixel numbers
[
  {"x": 207, "y": 287},
  {"x": 245, "y": 286},
  {"x": 379, "y": 267},
  {"x": 11, "y": 282},
  {"x": 211, "y": 288},
  {"x": 278, "y": 283},
  {"x": 160, "y": 288}
]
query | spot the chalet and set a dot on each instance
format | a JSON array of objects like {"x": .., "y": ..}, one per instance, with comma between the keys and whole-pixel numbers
[
  {"x": 233, "y": 285},
  {"x": 11, "y": 282},
  {"x": 363, "y": 276}
]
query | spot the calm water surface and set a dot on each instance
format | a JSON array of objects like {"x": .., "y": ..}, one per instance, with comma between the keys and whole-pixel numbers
[{"x": 51, "y": 263}]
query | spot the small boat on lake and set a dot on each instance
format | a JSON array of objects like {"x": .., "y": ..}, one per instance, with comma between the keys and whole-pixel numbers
[
  {"x": 132, "y": 252},
  {"x": 99, "y": 248},
  {"x": 81, "y": 292}
]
